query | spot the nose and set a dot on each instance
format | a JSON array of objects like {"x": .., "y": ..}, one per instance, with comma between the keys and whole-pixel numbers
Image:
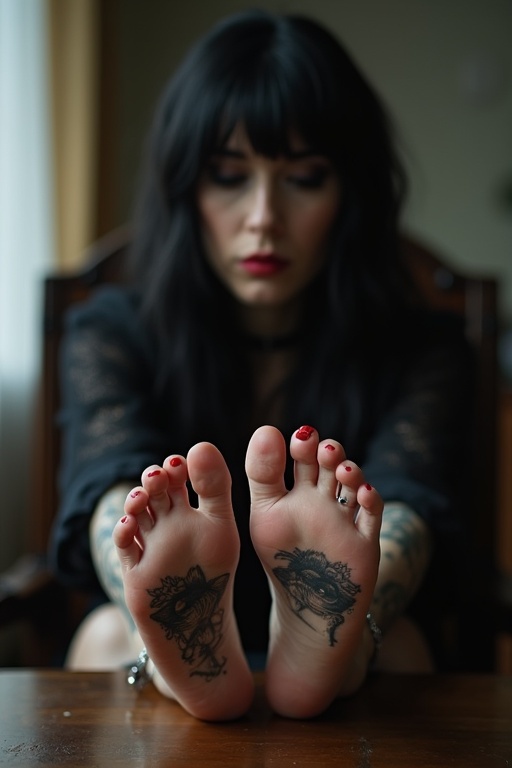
[{"x": 262, "y": 213}]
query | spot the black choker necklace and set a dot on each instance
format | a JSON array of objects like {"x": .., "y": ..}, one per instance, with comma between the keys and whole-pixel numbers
[{"x": 271, "y": 343}]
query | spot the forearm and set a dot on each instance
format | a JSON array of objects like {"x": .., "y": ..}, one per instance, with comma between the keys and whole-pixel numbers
[
  {"x": 108, "y": 568},
  {"x": 405, "y": 543}
]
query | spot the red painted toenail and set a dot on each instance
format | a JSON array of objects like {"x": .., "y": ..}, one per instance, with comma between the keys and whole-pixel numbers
[
  {"x": 304, "y": 433},
  {"x": 124, "y": 519},
  {"x": 175, "y": 462},
  {"x": 154, "y": 472},
  {"x": 329, "y": 447},
  {"x": 368, "y": 487},
  {"x": 134, "y": 494},
  {"x": 348, "y": 469}
]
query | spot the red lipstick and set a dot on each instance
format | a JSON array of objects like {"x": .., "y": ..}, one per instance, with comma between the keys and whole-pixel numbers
[{"x": 263, "y": 264}]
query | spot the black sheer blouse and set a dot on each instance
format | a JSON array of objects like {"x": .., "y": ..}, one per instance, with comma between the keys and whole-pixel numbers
[{"x": 114, "y": 425}]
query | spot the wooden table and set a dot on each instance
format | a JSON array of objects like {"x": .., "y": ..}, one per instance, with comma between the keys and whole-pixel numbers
[{"x": 57, "y": 718}]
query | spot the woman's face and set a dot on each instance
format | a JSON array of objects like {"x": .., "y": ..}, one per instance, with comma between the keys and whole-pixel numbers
[{"x": 266, "y": 222}]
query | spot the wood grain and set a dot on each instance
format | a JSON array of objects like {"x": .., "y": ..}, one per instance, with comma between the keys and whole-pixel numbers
[{"x": 57, "y": 718}]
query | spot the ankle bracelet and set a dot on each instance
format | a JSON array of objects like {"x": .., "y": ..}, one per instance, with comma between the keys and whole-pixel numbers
[
  {"x": 376, "y": 634},
  {"x": 138, "y": 674}
]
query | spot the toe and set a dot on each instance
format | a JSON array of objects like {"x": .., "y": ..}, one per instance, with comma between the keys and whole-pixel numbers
[
  {"x": 265, "y": 464},
  {"x": 137, "y": 505},
  {"x": 210, "y": 479},
  {"x": 136, "y": 501},
  {"x": 155, "y": 483},
  {"x": 369, "y": 517},
  {"x": 123, "y": 535},
  {"x": 176, "y": 469},
  {"x": 303, "y": 449},
  {"x": 349, "y": 477},
  {"x": 330, "y": 455},
  {"x": 177, "y": 475}
]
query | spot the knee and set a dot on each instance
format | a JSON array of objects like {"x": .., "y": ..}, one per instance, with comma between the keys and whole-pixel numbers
[{"x": 101, "y": 642}]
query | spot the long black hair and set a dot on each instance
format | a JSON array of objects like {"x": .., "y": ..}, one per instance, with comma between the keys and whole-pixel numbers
[{"x": 272, "y": 73}]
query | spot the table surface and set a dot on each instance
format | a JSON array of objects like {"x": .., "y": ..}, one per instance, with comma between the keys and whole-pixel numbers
[{"x": 57, "y": 718}]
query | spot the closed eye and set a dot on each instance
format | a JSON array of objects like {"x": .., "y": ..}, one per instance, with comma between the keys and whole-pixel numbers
[
  {"x": 224, "y": 177},
  {"x": 312, "y": 180}
]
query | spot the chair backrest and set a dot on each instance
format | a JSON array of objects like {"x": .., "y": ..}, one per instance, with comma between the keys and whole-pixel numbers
[
  {"x": 466, "y": 643},
  {"x": 475, "y": 299},
  {"x": 103, "y": 263},
  {"x": 472, "y": 297}
]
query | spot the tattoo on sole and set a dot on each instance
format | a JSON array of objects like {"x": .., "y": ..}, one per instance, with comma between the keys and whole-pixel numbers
[
  {"x": 187, "y": 609},
  {"x": 312, "y": 583}
]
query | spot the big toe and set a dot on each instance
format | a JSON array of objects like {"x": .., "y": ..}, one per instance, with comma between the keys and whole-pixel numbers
[
  {"x": 210, "y": 478},
  {"x": 265, "y": 464}
]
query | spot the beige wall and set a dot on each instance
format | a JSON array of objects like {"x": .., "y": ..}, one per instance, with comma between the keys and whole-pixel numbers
[
  {"x": 444, "y": 67},
  {"x": 74, "y": 35}
]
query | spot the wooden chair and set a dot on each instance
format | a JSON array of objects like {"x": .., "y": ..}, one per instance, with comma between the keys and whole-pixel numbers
[
  {"x": 467, "y": 631},
  {"x": 30, "y": 584},
  {"x": 29, "y": 594}
]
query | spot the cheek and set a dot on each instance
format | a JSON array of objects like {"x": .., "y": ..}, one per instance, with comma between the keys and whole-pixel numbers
[
  {"x": 314, "y": 226},
  {"x": 214, "y": 227}
]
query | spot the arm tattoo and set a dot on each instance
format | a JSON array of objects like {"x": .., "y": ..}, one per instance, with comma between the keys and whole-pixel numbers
[
  {"x": 106, "y": 561},
  {"x": 399, "y": 527},
  {"x": 392, "y": 598},
  {"x": 405, "y": 552},
  {"x": 188, "y": 611},
  {"x": 312, "y": 583}
]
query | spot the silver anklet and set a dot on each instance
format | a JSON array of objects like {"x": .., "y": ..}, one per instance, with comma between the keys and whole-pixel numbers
[
  {"x": 376, "y": 634},
  {"x": 138, "y": 675}
]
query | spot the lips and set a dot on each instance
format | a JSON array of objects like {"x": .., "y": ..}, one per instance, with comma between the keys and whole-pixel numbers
[{"x": 263, "y": 265}]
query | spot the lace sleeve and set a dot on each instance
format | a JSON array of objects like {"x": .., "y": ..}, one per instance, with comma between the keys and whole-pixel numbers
[
  {"x": 108, "y": 427},
  {"x": 419, "y": 454}
]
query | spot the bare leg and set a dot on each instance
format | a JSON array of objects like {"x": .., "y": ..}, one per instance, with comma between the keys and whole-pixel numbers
[
  {"x": 102, "y": 642},
  {"x": 178, "y": 567},
  {"x": 321, "y": 559},
  {"x": 106, "y": 638}
]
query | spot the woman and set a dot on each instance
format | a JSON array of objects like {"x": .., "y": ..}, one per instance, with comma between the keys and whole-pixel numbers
[{"x": 267, "y": 291}]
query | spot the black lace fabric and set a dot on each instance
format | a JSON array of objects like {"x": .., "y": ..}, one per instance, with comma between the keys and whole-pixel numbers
[
  {"x": 112, "y": 429},
  {"x": 110, "y": 432},
  {"x": 419, "y": 453}
]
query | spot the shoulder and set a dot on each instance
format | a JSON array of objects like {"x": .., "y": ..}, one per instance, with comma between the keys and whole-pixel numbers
[
  {"x": 114, "y": 303},
  {"x": 425, "y": 329},
  {"x": 110, "y": 315},
  {"x": 443, "y": 357},
  {"x": 446, "y": 332}
]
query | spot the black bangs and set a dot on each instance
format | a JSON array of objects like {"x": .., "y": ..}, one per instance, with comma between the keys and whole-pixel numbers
[
  {"x": 260, "y": 107},
  {"x": 280, "y": 78},
  {"x": 275, "y": 100}
]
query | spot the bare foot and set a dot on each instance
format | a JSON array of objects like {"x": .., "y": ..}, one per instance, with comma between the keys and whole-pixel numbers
[
  {"x": 178, "y": 568},
  {"x": 321, "y": 558}
]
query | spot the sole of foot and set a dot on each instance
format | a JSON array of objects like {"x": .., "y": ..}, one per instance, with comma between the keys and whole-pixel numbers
[
  {"x": 178, "y": 565},
  {"x": 321, "y": 558}
]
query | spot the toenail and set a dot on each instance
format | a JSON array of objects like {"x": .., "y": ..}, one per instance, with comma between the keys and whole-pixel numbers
[
  {"x": 368, "y": 487},
  {"x": 124, "y": 519},
  {"x": 304, "y": 433},
  {"x": 134, "y": 494},
  {"x": 154, "y": 472},
  {"x": 329, "y": 447},
  {"x": 348, "y": 469},
  {"x": 175, "y": 462}
]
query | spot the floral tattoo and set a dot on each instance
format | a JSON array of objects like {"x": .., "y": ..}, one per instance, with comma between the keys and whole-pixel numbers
[
  {"x": 188, "y": 611},
  {"x": 315, "y": 584}
]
